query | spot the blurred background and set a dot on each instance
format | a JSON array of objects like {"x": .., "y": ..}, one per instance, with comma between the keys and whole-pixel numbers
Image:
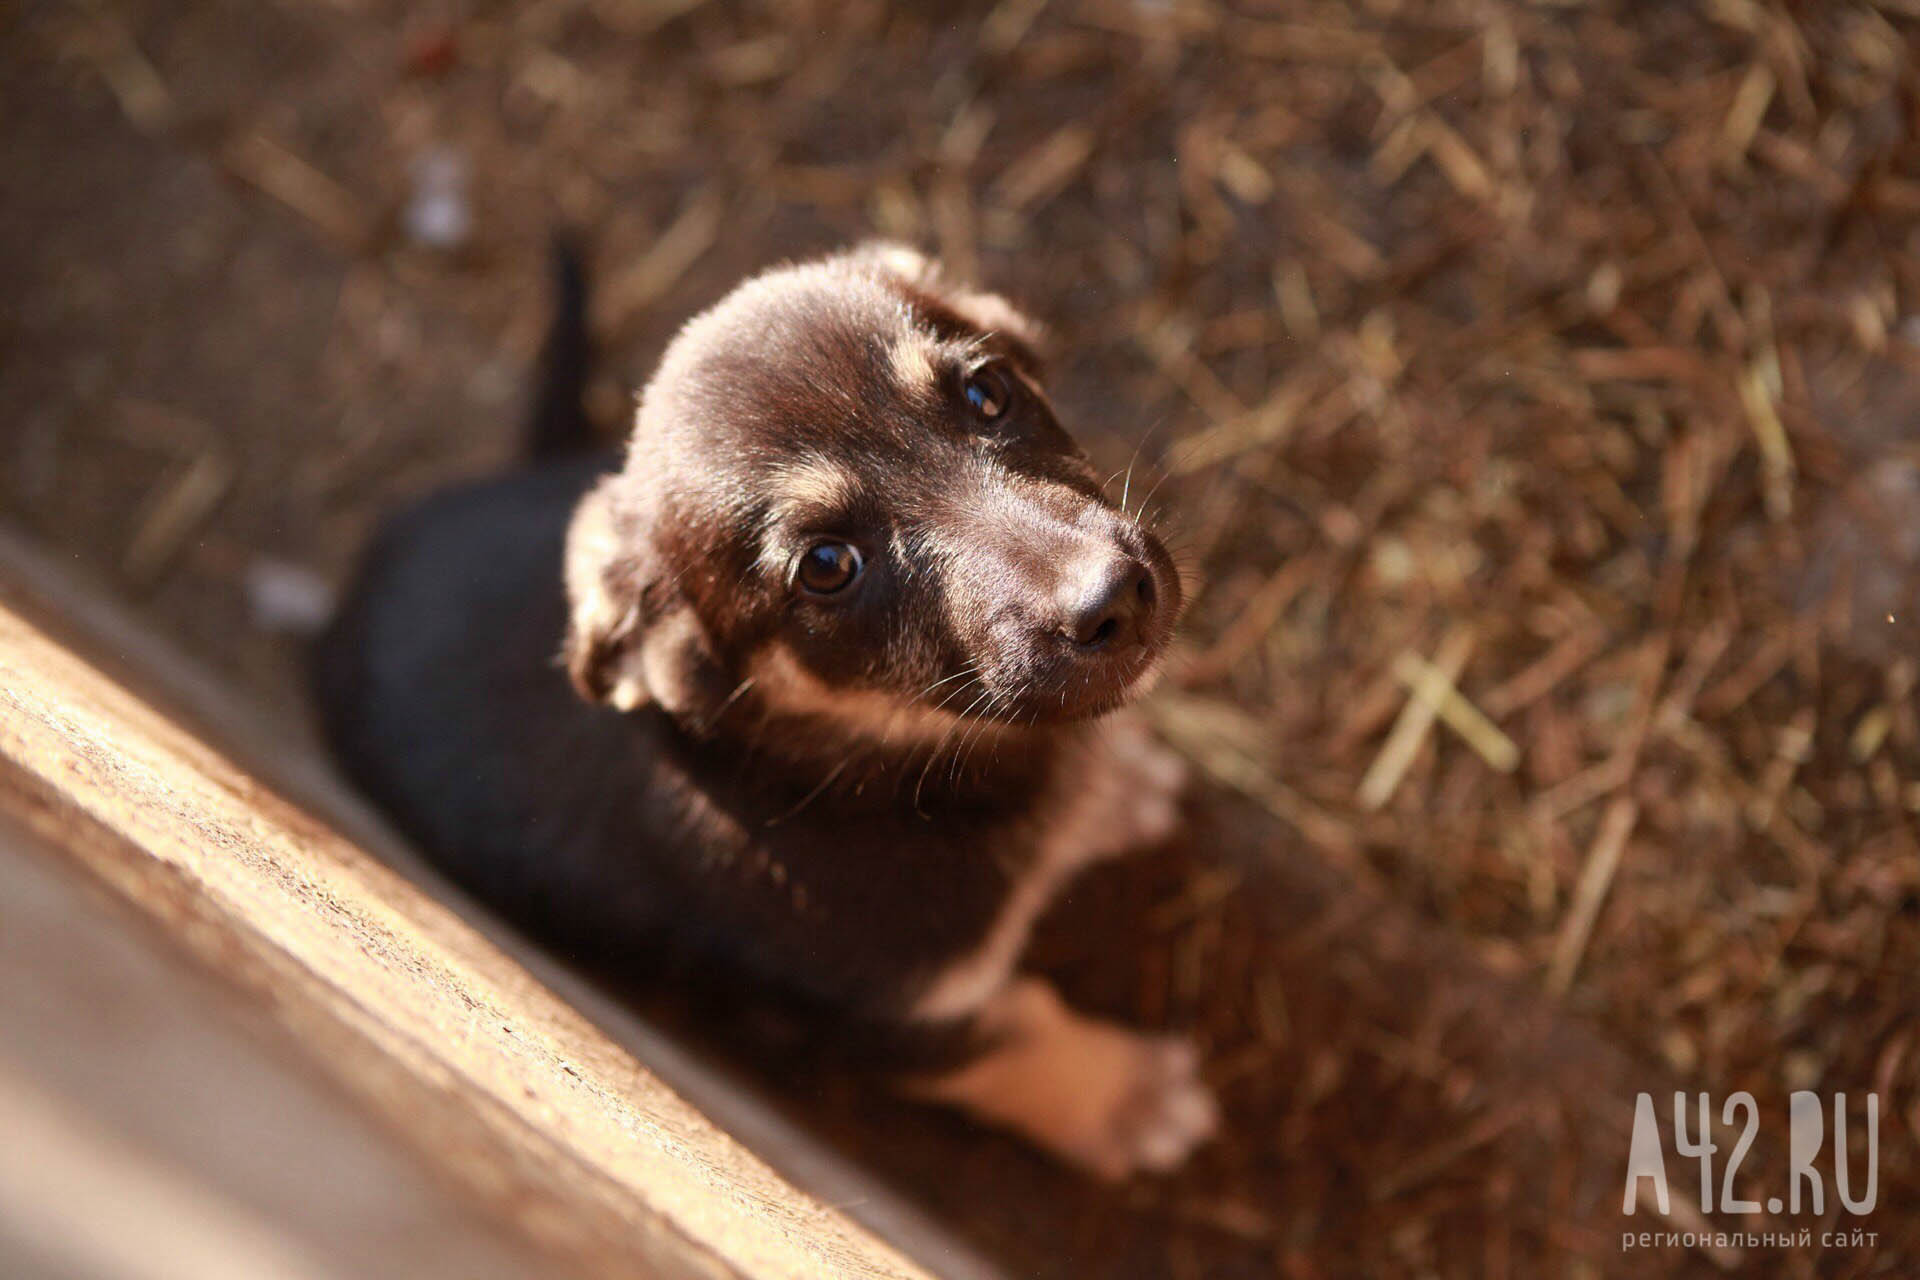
[{"x": 1533, "y": 390}]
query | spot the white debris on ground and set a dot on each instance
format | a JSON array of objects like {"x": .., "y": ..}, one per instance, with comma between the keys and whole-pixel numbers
[
  {"x": 439, "y": 215},
  {"x": 287, "y": 597}
]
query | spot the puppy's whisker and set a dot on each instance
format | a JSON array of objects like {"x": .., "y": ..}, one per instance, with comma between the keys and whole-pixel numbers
[
  {"x": 959, "y": 717},
  {"x": 812, "y": 795},
  {"x": 972, "y": 737},
  {"x": 982, "y": 724},
  {"x": 1164, "y": 477},
  {"x": 948, "y": 697},
  {"x": 739, "y": 691},
  {"x": 967, "y": 670},
  {"x": 1138, "y": 446},
  {"x": 933, "y": 755}
]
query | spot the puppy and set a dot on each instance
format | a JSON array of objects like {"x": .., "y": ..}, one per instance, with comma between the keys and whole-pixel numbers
[{"x": 835, "y": 640}]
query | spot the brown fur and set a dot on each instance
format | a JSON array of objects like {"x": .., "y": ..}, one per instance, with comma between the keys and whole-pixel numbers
[{"x": 863, "y": 794}]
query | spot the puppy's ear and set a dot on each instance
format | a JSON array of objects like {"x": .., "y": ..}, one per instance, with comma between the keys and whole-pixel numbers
[
  {"x": 974, "y": 309},
  {"x": 632, "y": 638}
]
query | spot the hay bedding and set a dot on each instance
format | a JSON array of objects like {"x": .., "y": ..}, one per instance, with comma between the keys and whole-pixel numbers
[{"x": 1533, "y": 389}]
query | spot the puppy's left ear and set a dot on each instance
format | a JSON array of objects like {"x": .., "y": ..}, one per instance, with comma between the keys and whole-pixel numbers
[
  {"x": 632, "y": 640},
  {"x": 974, "y": 309}
]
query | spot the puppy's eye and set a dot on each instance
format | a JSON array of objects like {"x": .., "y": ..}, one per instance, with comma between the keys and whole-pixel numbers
[
  {"x": 989, "y": 391},
  {"x": 828, "y": 567}
]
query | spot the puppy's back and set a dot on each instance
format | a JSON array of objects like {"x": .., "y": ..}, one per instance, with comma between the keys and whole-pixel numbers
[{"x": 440, "y": 693}]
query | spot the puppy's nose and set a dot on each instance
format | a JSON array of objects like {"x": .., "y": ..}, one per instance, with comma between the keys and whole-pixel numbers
[{"x": 1106, "y": 605}]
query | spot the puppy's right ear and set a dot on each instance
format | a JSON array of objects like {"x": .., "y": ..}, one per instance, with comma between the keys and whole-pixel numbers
[{"x": 632, "y": 639}]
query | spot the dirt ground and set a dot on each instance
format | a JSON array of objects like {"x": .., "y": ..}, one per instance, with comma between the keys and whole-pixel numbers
[{"x": 1533, "y": 390}]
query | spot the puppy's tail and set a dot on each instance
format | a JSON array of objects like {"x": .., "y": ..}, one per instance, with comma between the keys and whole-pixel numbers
[{"x": 558, "y": 424}]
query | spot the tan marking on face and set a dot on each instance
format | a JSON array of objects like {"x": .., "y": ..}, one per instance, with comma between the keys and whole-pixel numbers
[
  {"x": 992, "y": 313},
  {"x": 911, "y": 360},
  {"x": 905, "y": 262},
  {"x": 783, "y": 683},
  {"x": 1097, "y": 1095},
  {"x": 812, "y": 485}
]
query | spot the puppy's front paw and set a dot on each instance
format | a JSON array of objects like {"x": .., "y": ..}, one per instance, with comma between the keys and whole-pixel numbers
[
  {"x": 1105, "y": 1098},
  {"x": 1162, "y": 1114}
]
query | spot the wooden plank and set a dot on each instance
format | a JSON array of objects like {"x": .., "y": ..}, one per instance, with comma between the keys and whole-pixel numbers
[
  {"x": 154, "y": 1081},
  {"x": 163, "y": 1224},
  {"x": 478, "y": 1064}
]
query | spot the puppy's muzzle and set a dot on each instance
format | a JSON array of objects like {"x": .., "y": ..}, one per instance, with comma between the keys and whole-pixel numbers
[{"x": 1076, "y": 621}]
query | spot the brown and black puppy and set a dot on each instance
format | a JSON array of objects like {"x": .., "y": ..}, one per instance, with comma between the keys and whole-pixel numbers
[{"x": 840, "y": 631}]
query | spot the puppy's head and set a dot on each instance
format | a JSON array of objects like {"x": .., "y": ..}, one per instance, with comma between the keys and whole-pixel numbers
[{"x": 847, "y": 500}]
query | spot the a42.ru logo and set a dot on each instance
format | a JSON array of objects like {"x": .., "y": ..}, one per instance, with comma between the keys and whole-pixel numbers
[{"x": 1806, "y": 1137}]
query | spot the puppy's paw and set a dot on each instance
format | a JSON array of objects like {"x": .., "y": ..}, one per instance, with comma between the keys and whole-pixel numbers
[
  {"x": 1099, "y": 1096},
  {"x": 1163, "y": 1113}
]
